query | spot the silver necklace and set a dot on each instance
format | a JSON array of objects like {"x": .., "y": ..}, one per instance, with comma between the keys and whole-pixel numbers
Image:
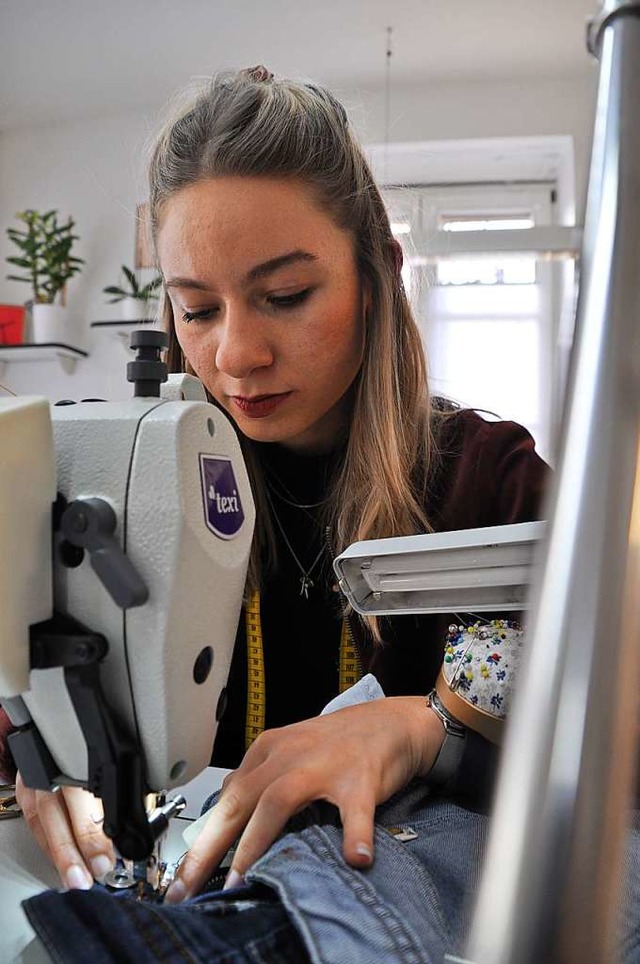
[
  {"x": 289, "y": 498},
  {"x": 306, "y": 582}
]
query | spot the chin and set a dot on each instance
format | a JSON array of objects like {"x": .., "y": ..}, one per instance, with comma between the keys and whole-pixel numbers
[{"x": 261, "y": 431}]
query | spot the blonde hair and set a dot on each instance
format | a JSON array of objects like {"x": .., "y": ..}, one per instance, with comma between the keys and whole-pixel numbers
[{"x": 250, "y": 123}]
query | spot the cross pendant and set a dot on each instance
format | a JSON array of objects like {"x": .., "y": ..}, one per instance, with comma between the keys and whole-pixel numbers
[{"x": 305, "y": 585}]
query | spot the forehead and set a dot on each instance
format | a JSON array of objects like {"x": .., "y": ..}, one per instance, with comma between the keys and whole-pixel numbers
[{"x": 246, "y": 219}]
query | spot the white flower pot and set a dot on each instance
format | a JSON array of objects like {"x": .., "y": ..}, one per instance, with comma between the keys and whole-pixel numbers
[
  {"x": 133, "y": 309},
  {"x": 54, "y": 324}
]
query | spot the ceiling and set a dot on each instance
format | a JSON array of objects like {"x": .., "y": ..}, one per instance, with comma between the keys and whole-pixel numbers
[{"x": 64, "y": 59}]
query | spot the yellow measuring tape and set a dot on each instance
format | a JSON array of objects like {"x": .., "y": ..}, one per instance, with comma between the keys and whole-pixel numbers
[{"x": 350, "y": 668}]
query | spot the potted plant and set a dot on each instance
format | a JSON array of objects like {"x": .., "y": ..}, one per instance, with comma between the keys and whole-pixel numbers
[
  {"x": 45, "y": 257},
  {"x": 136, "y": 298}
]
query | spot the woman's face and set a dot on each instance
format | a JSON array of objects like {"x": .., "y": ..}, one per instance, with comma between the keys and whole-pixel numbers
[{"x": 267, "y": 305}]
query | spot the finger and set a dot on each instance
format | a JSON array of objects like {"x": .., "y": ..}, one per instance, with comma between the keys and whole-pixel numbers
[
  {"x": 280, "y": 801},
  {"x": 87, "y": 817},
  {"x": 26, "y": 798},
  {"x": 56, "y": 825},
  {"x": 226, "y": 820},
  {"x": 357, "y": 829},
  {"x": 267, "y": 822}
]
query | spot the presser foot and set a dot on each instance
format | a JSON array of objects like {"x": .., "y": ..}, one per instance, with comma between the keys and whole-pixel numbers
[{"x": 152, "y": 876}]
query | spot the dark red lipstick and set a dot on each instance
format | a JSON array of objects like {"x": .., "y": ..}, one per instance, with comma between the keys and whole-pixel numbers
[{"x": 259, "y": 406}]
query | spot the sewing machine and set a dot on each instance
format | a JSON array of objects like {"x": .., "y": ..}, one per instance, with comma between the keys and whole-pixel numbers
[{"x": 125, "y": 530}]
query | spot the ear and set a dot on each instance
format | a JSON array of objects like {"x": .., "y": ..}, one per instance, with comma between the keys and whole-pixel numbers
[
  {"x": 366, "y": 299},
  {"x": 398, "y": 256}
]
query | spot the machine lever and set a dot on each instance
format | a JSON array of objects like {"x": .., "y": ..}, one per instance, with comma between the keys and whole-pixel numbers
[{"x": 90, "y": 524}]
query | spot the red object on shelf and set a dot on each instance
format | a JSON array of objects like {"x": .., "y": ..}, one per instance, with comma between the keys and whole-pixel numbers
[{"x": 11, "y": 324}]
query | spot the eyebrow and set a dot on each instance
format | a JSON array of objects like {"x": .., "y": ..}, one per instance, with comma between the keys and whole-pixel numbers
[{"x": 254, "y": 274}]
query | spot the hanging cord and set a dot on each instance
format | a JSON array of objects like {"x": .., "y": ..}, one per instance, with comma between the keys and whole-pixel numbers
[{"x": 387, "y": 104}]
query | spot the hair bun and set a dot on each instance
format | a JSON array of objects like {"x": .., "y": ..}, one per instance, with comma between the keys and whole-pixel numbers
[{"x": 260, "y": 74}]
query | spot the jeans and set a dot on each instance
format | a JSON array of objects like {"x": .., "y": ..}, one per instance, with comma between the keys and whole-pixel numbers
[
  {"x": 245, "y": 926},
  {"x": 302, "y": 902}
]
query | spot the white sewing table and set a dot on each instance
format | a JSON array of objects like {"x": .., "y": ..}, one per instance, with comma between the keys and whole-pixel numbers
[{"x": 25, "y": 871}]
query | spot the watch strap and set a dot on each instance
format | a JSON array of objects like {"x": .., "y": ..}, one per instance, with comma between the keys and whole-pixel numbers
[{"x": 450, "y": 754}]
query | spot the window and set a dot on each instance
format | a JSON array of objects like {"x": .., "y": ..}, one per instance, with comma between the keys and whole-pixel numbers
[
  {"x": 486, "y": 317},
  {"x": 486, "y": 271}
]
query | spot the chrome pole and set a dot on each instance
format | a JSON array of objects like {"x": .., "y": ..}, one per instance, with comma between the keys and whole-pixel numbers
[{"x": 549, "y": 885}]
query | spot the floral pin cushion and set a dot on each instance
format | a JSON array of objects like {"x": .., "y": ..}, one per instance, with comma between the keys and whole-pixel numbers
[{"x": 477, "y": 678}]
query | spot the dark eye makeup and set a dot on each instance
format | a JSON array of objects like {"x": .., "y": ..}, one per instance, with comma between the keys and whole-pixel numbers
[
  {"x": 201, "y": 315},
  {"x": 289, "y": 301},
  {"x": 275, "y": 301}
]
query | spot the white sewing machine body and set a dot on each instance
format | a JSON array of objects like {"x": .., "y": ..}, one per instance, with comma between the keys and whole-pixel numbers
[{"x": 173, "y": 475}]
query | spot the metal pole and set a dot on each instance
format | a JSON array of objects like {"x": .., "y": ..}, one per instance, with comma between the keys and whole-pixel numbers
[{"x": 549, "y": 888}]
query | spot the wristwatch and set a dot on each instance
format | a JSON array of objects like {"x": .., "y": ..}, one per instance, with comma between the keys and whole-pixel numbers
[{"x": 455, "y": 736}]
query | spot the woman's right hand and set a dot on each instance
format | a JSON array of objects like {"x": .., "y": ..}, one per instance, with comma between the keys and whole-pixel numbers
[{"x": 68, "y": 826}]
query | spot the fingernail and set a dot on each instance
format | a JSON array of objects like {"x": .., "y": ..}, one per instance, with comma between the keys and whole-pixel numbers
[
  {"x": 176, "y": 894},
  {"x": 77, "y": 878},
  {"x": 234, "y": 879},
  {"x": 364, "y": 851},
  {"x": 101, "y": 865}
]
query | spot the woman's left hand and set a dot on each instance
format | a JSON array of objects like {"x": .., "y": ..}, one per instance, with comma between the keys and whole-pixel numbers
[{"x": 354, "y": 758}]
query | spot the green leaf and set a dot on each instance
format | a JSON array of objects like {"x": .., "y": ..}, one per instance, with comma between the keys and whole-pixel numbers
[
  {"x": 46, "y": 246},
  {"x": 131, "y": 278},
  {"x": 20, "y": 262}
]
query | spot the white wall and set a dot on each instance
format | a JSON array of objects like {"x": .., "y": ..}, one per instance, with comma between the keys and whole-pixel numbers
[
  {"x": 526, "y": 107},
  {"x": 91, "y": 169},
  {"x": 94, "y": 170}
]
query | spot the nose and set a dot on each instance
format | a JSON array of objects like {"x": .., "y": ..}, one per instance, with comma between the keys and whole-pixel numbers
[{"x": 243, "y": 343}]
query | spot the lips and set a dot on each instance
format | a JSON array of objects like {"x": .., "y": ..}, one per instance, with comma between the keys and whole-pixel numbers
[{"x": 259, "y": 406}]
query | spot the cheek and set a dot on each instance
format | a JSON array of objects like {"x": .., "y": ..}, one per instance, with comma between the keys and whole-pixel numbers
[
  {"x": 199, "y": 354},
  {"x": 343, "y": 340},
  {"x": 341, "y": 349}
]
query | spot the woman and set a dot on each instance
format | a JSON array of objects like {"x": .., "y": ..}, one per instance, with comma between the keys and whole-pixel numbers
[{"x": 283, "y": 293}]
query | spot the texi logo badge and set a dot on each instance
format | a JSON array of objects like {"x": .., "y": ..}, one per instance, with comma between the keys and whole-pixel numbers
[{"x": 222, "y": 506}]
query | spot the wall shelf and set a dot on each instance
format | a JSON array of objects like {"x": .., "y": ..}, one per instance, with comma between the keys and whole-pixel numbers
[
  {"x": 65, "y": 355},
  {"x": 123, "y": 324},
  {"x": 122, "y": 329}
]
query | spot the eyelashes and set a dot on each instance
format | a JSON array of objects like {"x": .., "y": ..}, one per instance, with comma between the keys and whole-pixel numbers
[
  {"x": 276, "y": 302},
  {"x": 188, "y": 316},
  {"x": 290, "y": 301}
]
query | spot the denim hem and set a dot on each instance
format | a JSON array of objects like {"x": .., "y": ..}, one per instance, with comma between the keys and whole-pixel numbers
[{"x": 390, "y": 911}]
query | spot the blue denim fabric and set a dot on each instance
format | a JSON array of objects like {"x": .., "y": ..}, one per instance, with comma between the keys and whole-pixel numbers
[
  {"x": 412, "y": 906},
  {"x": 246, "y": 926},
  {"x": 630, "y": 897}
]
